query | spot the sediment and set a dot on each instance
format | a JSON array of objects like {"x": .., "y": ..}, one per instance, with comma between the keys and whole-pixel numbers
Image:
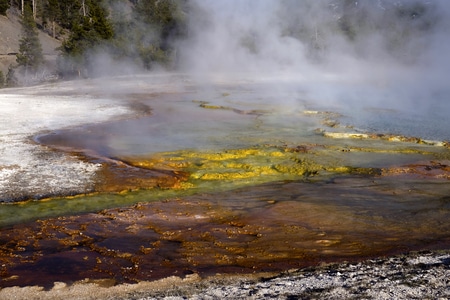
[{"x": 415, "y": 275}]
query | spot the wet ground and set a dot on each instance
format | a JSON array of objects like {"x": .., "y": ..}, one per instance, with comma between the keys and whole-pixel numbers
[
  {"x": 270, "y": 227},
  {"x": 225, "y": 181}
]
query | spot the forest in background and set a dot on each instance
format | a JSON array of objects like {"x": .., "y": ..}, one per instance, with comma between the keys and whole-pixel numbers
[
  {"x": 149, "y": 34},
  {"x": 139, "y": 31}
]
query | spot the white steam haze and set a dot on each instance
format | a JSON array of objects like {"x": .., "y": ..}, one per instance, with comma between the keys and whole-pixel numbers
[{"x": 394, "y": 59}]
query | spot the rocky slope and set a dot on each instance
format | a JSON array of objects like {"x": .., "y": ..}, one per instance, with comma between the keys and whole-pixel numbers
[{"x": 10, "y": 34}]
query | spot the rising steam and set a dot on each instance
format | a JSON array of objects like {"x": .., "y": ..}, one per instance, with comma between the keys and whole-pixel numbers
[
  {"x": 342, "y": 54},
  {"x": 348, "y": 54},
  {"x": 244, "y": 35},
  {"x": 393, "y": 45}
]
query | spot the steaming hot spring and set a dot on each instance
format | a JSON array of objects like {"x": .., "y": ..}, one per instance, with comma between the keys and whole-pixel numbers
[{"x": 144, "y": 177}]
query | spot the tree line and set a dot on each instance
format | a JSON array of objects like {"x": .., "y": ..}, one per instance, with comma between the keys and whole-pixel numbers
[
  {"x": 141, "y": 30},
  {"x": 146, "y": 32}
]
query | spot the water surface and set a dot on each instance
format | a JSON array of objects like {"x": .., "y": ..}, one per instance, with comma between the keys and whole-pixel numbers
[{"x": 264, "y": 188}]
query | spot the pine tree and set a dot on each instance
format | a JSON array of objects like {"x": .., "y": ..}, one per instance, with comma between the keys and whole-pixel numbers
[
  {"x": 30, "y": 50},
  {"x": 11, "y": 79},
  {"x": 4, "y": 5},
  {"x": 91, "y": 29},
  {"x": 124, "y": 41},
  {"x": 166, "y": 18},
  {"x": 52, "y": 13},
  {"x": 2, "y": 79}
]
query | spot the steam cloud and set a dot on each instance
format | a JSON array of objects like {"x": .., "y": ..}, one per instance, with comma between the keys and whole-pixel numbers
[
  {"x": 246, "y": 35},
  {"x": 396, "y": 49},
  {"x": 337, "y": 54}
]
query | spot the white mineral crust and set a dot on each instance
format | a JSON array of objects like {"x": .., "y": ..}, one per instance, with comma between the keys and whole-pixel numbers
[{"x": 31, "y": 170}]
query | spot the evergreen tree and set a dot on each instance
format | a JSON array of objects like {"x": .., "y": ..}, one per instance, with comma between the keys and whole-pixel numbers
[
  {"x": 11, "y": 79},
  {"x": 68, "y": 10},
  {"x": 4, "y": 5},
  {"x": 125, "y": 33},
  {"x": 2, "y": 79},
  {"x": 89, "y": 30},
  {"x": 52, "y": 14},
  {"x": 167, "y": 19},
  {"x": 30, "y": 50},
  {"x": 100, "y": 24}
]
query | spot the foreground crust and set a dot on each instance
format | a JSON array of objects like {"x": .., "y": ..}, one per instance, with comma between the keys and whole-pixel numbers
[{"x": 413, "y": 276}]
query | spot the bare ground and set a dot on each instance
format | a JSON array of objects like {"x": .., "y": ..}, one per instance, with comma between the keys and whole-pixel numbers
[
  {"x": 419, "y": 275},
  {"x": 10, "y": 34}
]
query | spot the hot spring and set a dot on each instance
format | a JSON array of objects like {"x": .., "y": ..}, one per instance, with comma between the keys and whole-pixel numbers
[{"x": 235, "y": 176}]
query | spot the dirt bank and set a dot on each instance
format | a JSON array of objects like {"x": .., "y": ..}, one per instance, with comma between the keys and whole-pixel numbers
[{"x": 10, "y": 35}]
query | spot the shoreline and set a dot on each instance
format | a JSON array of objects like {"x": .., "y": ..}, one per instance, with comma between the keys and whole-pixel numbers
[
  {"x": 33, "y": 171},
  {"x": 37, "y": 171},
  {"x": 415, "y": 275}
]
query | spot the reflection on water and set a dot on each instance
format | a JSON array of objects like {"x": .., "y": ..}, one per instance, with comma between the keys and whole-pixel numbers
[
  {"x": 269, "y": 227},
  {"x": 431, "y": 124},
  {"x": 263, "y": 190}
]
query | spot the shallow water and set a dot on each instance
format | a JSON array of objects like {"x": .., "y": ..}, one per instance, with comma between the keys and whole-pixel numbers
[
  {"x": 258, "y": 164},
  {"x": 223, "y": 118},
  {"x": 432, "y": 124},
  {"x": 269, "y": 227}
]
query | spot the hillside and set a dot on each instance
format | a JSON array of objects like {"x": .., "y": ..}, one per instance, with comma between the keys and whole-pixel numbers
[{"x": 10, "y": 34}]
